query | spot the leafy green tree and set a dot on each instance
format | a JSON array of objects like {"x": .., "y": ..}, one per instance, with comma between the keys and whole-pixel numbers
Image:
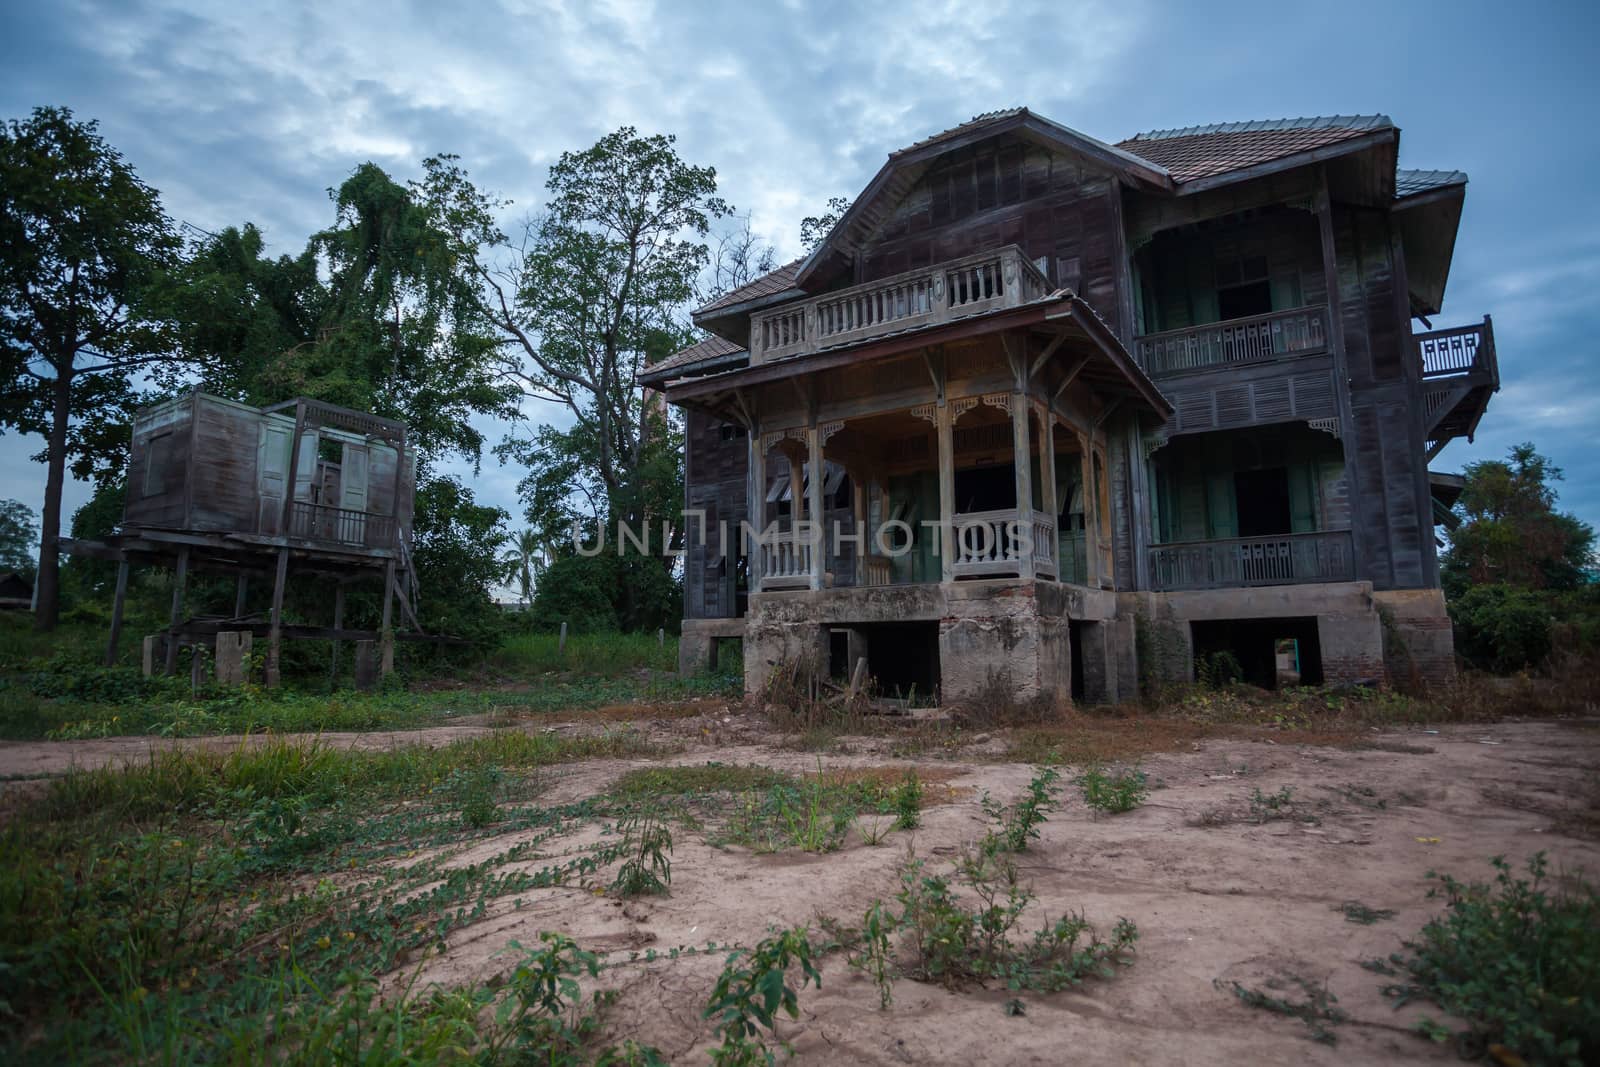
[
  {"x": 591, "y": 295},
  {"x": 17, "y": 537},
  {"x": 82, "y": 242},
  {"x": 1511, "y": 532},
  {"x": 523, "y": 564}
]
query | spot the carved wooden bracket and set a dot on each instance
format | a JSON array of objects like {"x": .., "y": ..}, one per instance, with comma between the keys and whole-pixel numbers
[
  {"x": 960, "y": 406},
  {"x": 999, "y": 400},
  {"x": 926, "y": 411},
  {"x": 827, "y": 429},
  {"x": 1154, "y": 443},
  {"x": 1327, "y": 426}
]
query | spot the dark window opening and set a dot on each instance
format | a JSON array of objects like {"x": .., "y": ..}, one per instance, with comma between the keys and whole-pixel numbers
[
  {"x": 732, "y": 431},
  {"x": 1263, "y": 502},
  {"x": 841, "y": 495},
  {"x": 838, "y": 654},
  {"x": 1244, "y": 301},
  {"x": 1075, "y": 636},
  {"x": 1259, "y": 650},
  {"x": 986, "y": 489},
  {"x": 903, "y": 658}
]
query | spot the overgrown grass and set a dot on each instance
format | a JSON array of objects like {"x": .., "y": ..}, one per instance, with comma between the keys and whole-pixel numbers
[{"x": 603, "y": 654}]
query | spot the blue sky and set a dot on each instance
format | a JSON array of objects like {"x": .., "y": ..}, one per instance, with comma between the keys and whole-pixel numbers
[{"x": 252, "y": 111}]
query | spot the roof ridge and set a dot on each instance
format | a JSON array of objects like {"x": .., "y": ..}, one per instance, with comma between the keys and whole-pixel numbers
[
  {"x": 1315, "y": 122},
  {"x": 979, "y": 119}
]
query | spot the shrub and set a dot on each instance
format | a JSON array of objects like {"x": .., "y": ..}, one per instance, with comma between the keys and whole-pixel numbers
[
  {"x": 1519, "y": 961},
  {"x": 1502, "y": 629},
  {"x": 1113, "y": 793},
  {"x": 1018, "y": 824},
  {"x": 750, "y": 992}
]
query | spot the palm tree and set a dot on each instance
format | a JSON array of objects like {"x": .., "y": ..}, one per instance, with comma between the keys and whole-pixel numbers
[{"x": 523, "y": 564}]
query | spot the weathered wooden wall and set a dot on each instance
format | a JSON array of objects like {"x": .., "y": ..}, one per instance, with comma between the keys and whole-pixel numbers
[
  {"x": 1008, "y": 192},
  {"x": 223, "y": 486},
  {"x": 715, "y": 461},
  {"x": 160, "y": 500}
]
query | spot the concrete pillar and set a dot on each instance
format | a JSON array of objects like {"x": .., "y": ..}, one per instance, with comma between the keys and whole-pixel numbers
[
  {"x": 151, "y": 649},
  {"x": 233, "y": 657}
]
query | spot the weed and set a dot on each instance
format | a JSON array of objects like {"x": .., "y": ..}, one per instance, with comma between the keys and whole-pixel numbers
[
  {"x": 750, "y": 992},
  {"x": 1265, "y": 807},
  {"x": 646, "y": 841},
  {"x": 907, "y": 802},
  {"x": 875, "y": 955},
  {"x": 1317, "y": 1011},
  {"x": 1113, "y": 793},
  {"x": 1519, "y": 961},
  {"x": 474, "y": 791},
  {"x": 1018, "y": 823},
  {"x": 1357, "y": 912}
]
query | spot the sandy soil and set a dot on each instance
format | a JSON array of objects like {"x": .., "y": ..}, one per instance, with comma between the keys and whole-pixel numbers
[{"x": 1215, "y": 895}]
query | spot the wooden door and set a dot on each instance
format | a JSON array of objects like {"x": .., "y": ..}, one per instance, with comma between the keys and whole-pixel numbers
[
  {"x": 272, "y": 472},
  {"x": 354, "y": 470}
]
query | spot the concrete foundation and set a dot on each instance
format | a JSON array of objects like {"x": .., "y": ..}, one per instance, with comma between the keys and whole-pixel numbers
[
  {"x": 1012, "y": 639},
  {"x": 233, "y": 657},
  {"x": 697, "y": 644}
]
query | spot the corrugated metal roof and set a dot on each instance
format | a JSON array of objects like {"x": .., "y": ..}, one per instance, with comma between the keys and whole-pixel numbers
[
  {"x": 1195, "y": 152},
  {"x": 767, "y": 285},
  {"x": 1412, "y": 182}
]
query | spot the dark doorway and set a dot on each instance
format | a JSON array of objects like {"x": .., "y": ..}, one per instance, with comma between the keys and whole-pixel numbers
[
  {"x": 1262, "y": 498},
  {"x": 986, "y": 489},
  {"x": 1244, "y": 301},
  {"x": 838, "y": 654},
  {"x": 1253, "y": 645},
  {"x": 903, "y": 658},
  {"x": 1075, "y": 635}
]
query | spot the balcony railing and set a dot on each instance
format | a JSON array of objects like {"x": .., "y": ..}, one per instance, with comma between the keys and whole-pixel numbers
[
  {"x": 984, "y": 282},
  {"x": 990, "y": 543},
  {"x": 1261, "y": 337},
  {"x": 785, "y": 563},
  {"x": 344, "y": 526},
  {"x": 1283, "y": 559},
  {"x": 1461, "y": 350}
]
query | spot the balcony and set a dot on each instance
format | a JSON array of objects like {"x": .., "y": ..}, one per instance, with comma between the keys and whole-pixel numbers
[
  {"x": 1300, "y": 332},
  {"x": 340, "y": 526},
  {"x": 957, "y": 289},
  {"x": 1232, "y": 563},
  {"x": 995, "y": 543},
  {"x": 1460, "y": 371}
]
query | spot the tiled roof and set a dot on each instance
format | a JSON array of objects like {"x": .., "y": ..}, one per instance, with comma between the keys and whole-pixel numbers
[
  {"x": 1203, "y": 151},
  {"x": 766, "y": 285},
  {"x": 1412, "y": 182},
  {"x": 710, "y": 348},
  {"x": 977, "y": 120}
]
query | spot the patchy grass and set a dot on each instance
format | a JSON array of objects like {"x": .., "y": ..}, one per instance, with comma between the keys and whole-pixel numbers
[
  {"x": 1319, "y": 1009},
  {"x": 602, "y": 655},
  {"x": 696, "y": 779},
  {"x": 1356, "y": 912}
]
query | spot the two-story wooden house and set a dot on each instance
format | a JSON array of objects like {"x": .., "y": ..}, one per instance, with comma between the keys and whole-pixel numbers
[{"x": 1040, "y": 406}]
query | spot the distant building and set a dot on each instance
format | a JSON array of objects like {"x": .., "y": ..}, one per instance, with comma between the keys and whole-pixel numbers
[
  {"x": 1153, "y": 400},
  {"x": 16, "y": 591}
]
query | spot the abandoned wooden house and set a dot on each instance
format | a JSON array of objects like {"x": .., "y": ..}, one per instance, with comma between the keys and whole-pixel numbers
[
  {"x": 1077, "y": 404},
  {"x": 217, "y": 487}
]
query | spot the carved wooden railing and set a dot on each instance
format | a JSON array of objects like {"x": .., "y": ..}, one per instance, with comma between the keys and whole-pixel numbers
[
  {"x": 785, "y": 562},
  {"x": 1283, "y": 559},
  {"x": 344, "y": 526},
  {"x": 998, "y": 543},
  {"x": 968, "y": 286},
  {"x": 1252, "y": 340},
  {"x": 1460, "y": 350},
  {"x": 875, "y": 570}
]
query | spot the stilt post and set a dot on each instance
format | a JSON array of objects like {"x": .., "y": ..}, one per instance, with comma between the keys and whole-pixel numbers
[
  {"x": 180, "y": 581},
  {"x": 116, "y": 613}
]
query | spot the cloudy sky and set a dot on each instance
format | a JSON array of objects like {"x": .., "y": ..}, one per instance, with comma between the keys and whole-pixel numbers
[{"x": 240, "y": 111}]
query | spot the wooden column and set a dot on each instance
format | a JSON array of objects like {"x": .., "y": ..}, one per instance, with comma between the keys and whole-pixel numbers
[
  {"x": 1091, "y": 515},
  {"x": 338, "y": 624},
  {"x": 116, "y": 613},
  {"x": 947, "y": 490},
  {"x": 239, "y": 596},
  {"x": 1323, "y": 205},
  {"x": 180, "y": 580},
  {"x": 756, "y": 501},
  {"x": 275, "y": 630},
  {"x": 861, "y": 521},
  {"x": 1047, "y": 472},
  {"x": 387, "y": 634},
  {"x": 1022, "y": 463},
  {"x": 819, "y": 544}
]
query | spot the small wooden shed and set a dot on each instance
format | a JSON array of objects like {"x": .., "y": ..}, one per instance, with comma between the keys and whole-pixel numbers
[{"x": 222, "y": 487}]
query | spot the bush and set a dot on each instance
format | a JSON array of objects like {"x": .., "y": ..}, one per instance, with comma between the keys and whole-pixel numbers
[
  {"x": 1521, "y": 963},
  {"x": 1502, "y": 629},
  {"x": 576, "y": 590}
]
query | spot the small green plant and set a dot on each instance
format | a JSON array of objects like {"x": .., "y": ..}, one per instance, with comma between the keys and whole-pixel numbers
[
  {"x": 907, "y": 802},
  {"x": 1357, "y": 912},
  {"x": 1518, "y": 959},
  {"x": 646, "y": 842},
  {"x": 1217, "y": 670},
  {"x": 474, "y": 792},
  {"x": 875, "y": 956},
  {"x": 751, "y": 991},
  {"x": 1113, "y": 793},
  {"x": 1018, "y": 823},
  {"x": 1264, "y": 807},
  {"x": 1318, "y": 1010}
]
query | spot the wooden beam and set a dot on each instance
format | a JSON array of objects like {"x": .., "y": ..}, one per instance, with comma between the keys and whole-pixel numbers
[
  {"x": 1049, "y": 350},
  {"x": 116, "y": 613},
  {"x": 1022, "y": 465},
  {"x": 338, "y": 625},
  {"x": 180, "y": 580},
  {"x": 947, "y": 491},
  {"x": 819, "y": 549},
  {"x": 275, "y": 634}
]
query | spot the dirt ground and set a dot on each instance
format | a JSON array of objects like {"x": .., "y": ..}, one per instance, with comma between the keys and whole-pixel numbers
[{"x": 1216, "y": 895}]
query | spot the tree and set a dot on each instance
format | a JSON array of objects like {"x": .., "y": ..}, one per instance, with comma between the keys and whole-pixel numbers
[
  {"x": 814, "y": 229},
  {"x": 1510, "y": 531},
  {"x": 591, "y": 294},
  {"x": 16, "y": 537},
  {"x": 523, "y": 563},
  {"x": 738, "y": 258},
  {"x": 82, "y": 241}
]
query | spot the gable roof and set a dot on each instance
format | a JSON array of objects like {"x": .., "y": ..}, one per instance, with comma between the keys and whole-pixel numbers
[{"x": 1197, "y": 152}]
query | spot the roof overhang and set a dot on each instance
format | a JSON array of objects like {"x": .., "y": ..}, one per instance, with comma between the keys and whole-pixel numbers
[
  {"x": 1388, "y": 137},
  {"x": 1428, "y": 223},
  {"x": 903, "y": 168}
]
